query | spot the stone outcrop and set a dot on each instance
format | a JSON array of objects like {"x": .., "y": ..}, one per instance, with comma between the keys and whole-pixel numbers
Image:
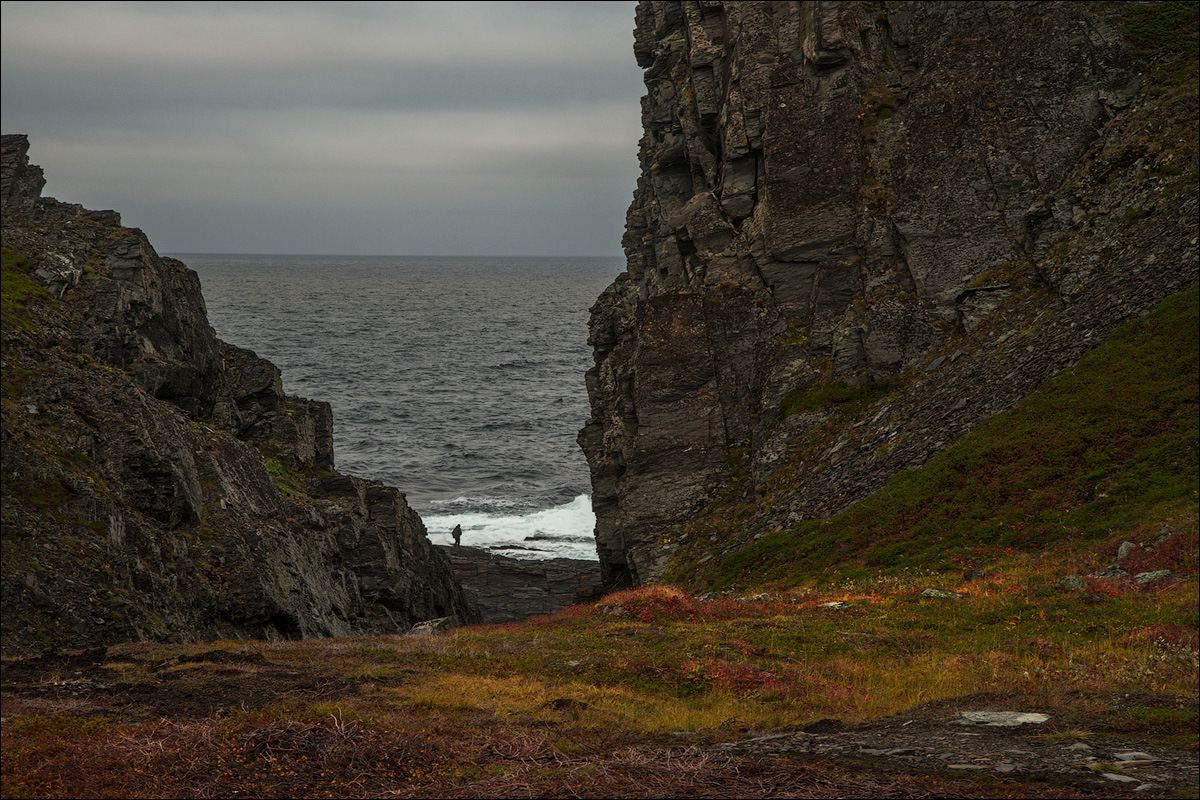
[
  {"x": 158, "y": 483},
  {"x": 944, "y": 202},
  {"x": 18, "y": 178},
  {"x": 510, "y": 589}
]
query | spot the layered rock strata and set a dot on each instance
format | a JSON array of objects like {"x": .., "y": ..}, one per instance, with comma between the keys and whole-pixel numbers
[
  {"x": 946, "y": 202},
  {"x": 158, "y": 483}
]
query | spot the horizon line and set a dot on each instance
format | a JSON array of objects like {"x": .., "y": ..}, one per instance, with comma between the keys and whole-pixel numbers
[{"x": 375, "y": 255}]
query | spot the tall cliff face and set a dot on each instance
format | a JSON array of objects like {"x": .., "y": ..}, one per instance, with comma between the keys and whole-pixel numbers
[
  {"x": 940, "y": 203},
  {"x": 157, "y": 482}
]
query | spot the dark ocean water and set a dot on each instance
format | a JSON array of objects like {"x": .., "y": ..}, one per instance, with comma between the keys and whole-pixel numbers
[{"x": 457, "y": 380}]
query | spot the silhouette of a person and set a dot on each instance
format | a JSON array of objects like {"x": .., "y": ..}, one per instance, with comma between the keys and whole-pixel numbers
[{"x": 457, "y": 534}]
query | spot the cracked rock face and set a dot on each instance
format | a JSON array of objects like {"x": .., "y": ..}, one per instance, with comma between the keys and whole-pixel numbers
[{"x": 828, "y": 190}]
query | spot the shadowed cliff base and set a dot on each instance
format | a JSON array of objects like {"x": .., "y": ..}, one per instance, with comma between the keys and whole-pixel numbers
[{"x": 511, "y": 589}]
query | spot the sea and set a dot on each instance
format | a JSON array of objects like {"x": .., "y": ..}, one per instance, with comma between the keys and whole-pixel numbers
[{"x": 459, "y": 381}]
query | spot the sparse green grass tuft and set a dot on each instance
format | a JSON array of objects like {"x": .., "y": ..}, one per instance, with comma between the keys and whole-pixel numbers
[
  {"x": 1166, "y": 35},
  {"x": 1161, "y": 29},
  {"x": 838, "y": 393},
  {"x": 17, "y": 288}
]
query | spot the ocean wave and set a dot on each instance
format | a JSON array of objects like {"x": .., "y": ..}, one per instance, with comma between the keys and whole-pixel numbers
[
  {"x": 480, "y": 505},
  {"x": 466, "y": 394}
]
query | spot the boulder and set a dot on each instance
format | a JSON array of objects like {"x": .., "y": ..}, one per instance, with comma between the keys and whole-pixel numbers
[
  {"x": 431, "y": 626},
  {"x": 1075, "y": 582},
  {"x": 1147, "y": 578}
]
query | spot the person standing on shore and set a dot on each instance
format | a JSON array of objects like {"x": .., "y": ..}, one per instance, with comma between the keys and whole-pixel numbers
[{"x": 457, "y": 534}]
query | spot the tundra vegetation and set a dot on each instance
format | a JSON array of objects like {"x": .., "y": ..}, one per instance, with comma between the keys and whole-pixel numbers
[
  {"x": 808, "y": 623},
  {"x": 623, "y": 696}
]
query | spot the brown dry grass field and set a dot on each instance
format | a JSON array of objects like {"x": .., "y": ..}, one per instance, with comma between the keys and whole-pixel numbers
[
  {"x": 638, "y": 695},
  {"x": 810, "y": 679}
]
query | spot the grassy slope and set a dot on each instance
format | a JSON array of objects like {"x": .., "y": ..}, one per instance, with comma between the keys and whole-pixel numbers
[
  {"x": 555, "y": 703},
  {"x": 16, "y": 287},
  {"x": 1105, "y": 452}
]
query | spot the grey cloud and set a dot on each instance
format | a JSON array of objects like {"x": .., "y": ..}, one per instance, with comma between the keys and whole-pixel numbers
[
  {"x": 250, "y": 126},
  {"x": 153, "y": 101},
  {"x": 255, "y": 36}
]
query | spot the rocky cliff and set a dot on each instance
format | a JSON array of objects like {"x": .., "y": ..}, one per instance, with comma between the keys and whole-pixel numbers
[
  {"x": 927, "y": 207},
  {"x": 512, "y": 589},
  {"x": 157, "y": 482}
]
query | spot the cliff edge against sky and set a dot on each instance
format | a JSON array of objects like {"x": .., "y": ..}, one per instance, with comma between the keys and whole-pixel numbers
[
  {"x": 157, "y": 482},
  {"x": 930, "y": 208}
]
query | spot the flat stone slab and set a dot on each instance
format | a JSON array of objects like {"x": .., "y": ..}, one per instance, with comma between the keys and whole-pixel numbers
[
  {"x": 941, "y": 593},
  {"x": 999, "y": 719},
  {"x": 1144, "y": 578},
  {"x": 1112, "y": 776}
]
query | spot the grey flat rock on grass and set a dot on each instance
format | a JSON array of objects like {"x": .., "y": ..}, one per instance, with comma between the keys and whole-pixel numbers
[
  {"x": 942, "y": 593},
  {"x": 1113, "y": 776},
  {"x": 999, "y": 719},
  {"x": 1144, "y": 578},
  {"x": 432, "y": 626}
]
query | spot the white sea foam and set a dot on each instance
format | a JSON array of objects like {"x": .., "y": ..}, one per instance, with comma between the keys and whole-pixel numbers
[{"x": 563, "y": 531}]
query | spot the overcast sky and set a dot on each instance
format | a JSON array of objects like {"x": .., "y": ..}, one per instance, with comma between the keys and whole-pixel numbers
[{"x": 334, "y": 128}]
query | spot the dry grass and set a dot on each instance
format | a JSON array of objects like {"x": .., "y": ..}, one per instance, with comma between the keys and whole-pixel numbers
[{"x": 619, "y": 698}]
